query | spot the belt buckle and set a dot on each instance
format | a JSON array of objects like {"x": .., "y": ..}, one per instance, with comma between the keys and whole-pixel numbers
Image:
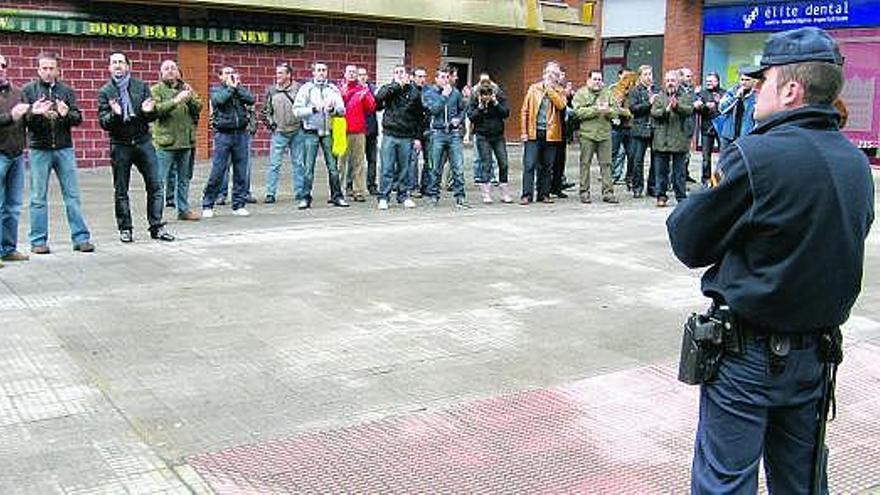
[{"x": 780, "y": 345}]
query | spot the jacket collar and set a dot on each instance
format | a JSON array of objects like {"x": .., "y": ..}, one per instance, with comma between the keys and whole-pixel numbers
[{"x": 809, "y": 116}]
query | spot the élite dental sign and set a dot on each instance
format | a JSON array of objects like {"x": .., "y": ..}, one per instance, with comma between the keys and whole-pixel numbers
[{"x": 791, "y": 15}]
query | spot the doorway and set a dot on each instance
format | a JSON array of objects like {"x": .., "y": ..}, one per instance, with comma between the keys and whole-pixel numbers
[{"x": 465, "y": 68}]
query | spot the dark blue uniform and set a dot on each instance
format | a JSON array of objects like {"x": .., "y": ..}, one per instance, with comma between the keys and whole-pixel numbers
[{"x": 783, "y": 234}]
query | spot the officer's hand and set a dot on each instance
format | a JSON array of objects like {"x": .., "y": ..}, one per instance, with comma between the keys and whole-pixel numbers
[
  {"x": 62, "y": 108},
  {"x": 148, "y": 105}
]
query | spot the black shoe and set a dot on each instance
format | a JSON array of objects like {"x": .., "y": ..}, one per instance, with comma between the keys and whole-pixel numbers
[
  {"x": 250, "y": 200},
  {"x": 169, "y": 203},
  {"x": 269, "y": 199},
  {"x": 160, "y": 234},
  {"x": 567, "y": 185},
  {"x": 126, "y": 236},
  {"x": 220, "y": 201},
  {"x": 340, "y": 202},
  {"x": 561, "y": 195},
  {"x": 690, "y": 179},
  {"x": 373, "y": 191}
]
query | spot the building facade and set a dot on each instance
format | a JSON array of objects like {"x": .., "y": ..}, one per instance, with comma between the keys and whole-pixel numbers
[{"x": 512, "y": 39}]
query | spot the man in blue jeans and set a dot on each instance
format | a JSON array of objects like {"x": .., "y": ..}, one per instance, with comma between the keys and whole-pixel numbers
[
  {"x": 446, "y": 106},
  {"x": 230, "y": 120},
  {"x": 53, "y": 113},
  {"x": 287, "y": 136},
  {"x": 12, "y": 112}
]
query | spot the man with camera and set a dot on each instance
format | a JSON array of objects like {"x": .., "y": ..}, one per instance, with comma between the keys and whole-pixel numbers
[
  {"x": 595, "y": 108},
  {"x": 785, "y": 259},
  {"x": 487, "y": 112},
  {"x": 446, "y": 106}
]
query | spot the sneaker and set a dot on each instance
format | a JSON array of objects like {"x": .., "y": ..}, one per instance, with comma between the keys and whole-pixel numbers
[
  {"x": 160, "y": 234},
  {"x": 126, "y": 236},
  {"x": 303, "y": 204},
  {"x": 524, "y": 201},
  {"x": 84, "y": 247},
  {"x": 44, "y": 249},
  {"x": 15, "y": 256},
  {"x": 417, "y": 194},
  {"x": 241, "y": 212},
  {"x": 611, "y": 199},
  {"x": 250, "y": 199},
  {"x": 461, "y": 203},
  {"x": 383, "y": 204},
  {"x": 661, "y": 202},
  {"x": 208, "y": 213},
  {"x": 585, "y": 198},
  {"x": 409, "y": 203},
  {"x": 270, "y": 198},
  {"x": 340, "y": 202}
]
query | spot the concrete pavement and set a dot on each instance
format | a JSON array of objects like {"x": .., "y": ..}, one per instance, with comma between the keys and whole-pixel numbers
[{"x": 500, "y": 348}]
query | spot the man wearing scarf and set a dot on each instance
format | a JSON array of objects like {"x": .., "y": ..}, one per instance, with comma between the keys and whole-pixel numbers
[
  {"x": 125, "y": 109},
  {"x": 12, "y": 112}
]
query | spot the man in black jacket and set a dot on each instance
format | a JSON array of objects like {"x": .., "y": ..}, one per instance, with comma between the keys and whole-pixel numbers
[
  {"x": 125, "y": 109},
  {"x": 12, "y": 115},
  {"x": 487, "y": 111},
  {"x": 229, "y": 116},
  {"x": 706, "y": 106},
  {"x": 641, "y": 97},
  {"x": 785, "y": 258},
  {"x": 53, "y": 113}
]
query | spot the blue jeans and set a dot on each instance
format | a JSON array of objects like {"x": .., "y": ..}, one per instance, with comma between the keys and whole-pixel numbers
[
  {"x": 282, "y": 144},
  {"x": 486, "y": 147},
  {"x": 237, "y": 146},
  {"x": 636, "y": 173},
  {"x": 63, "y": 162},
  {"x": 179, "y": 160},
  {"x": 449, "y": 143},
  {"x": 395, "y": 158},
  {"x": 661, "y": 176},
  {"x": 748, "y": 412},
  {"x": 479, "y": 169},
  {"x": 620, "y": 141},
  {"x": 11, "y": 189},
  {"x": 311, "y": 143},
  {"x": 417, "y": 181}
]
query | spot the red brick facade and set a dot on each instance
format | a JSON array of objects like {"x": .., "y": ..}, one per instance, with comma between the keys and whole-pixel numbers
[{"x": 683, "y": 40}]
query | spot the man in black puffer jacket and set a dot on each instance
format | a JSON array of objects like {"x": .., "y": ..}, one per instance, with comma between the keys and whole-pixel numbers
[
  {"x": 125, "y": 109},
  {"x": 488, "y": 110}
]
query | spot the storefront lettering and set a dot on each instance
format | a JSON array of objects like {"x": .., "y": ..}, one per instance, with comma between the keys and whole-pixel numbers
[
  {"x": 777, "y": 15},
  {"x": 6, "y": 23},
  {"x": 132, "y": 30},
  {"x": 811, "y": 13},
  {"x": 253, "y": 36}
]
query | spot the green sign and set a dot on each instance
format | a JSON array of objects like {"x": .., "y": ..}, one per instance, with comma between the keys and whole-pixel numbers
[{"x": 162, "y": 32}]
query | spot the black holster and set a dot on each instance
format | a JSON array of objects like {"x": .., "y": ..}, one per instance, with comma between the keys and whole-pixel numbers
[{"x": 705, "y": 340}]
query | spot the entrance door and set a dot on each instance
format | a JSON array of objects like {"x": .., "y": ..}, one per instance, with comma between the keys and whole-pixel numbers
[{"x": 465, "y": 69}]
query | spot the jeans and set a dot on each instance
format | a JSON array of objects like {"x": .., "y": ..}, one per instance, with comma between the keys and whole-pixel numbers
[
  {"x": 620, "y": 138},
  {"x": 312, "y": 141},
  {"x": 11, "y": 190},
  {"x": 640, "y": 146},
  {"x": 420, "y": 181},
  {"x": 748, "y": 413},
  {"x": 538, "y": 159},
  {"x": 63, "y": 162},
  {"x": 481, "y": 164},
  {"x": 284, "y": 143},
  {"x": 396, "y": 153},
  {"x": 602, "y": 150},
  {"x": 372, "y": 150},
  {"x": 234, "y": 146},
  {"x": 557, "y": 170},
  {"x": 486, "y": 147},
  {"x": 679, "y": 169},
  {"x": 352, "y": 165},
  {"x": 181, "y": 161},
  {"x": 224, "y": 184},
  {"x": 708, "y": 139},
  {"x": 451, "y": 144},
  {"x": 143, "y": 156}
]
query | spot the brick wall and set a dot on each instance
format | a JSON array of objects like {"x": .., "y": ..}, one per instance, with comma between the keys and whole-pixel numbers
[{"x": 683, "y": 40}]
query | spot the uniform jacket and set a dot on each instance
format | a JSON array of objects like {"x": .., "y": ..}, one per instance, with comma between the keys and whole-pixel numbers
[
  {"x": 11, "y": 132},
  {"x": 359, "y": 102},
  {"x": 707, "y": 115},
  {"x": 51, "y": 134},
  {"x": 229, "y": 108},
  {"x": 488, "y": 120},
  {"x": 137, "y": 129},
  {"x": 555, "y": 112},
  {"x": 309, "y": 105},
  {"x": 640, "y": 106},
  {"x": 175, "y": 124},
  {"x": 784, "y": 230},
  {"x": 594, "y": 125},
  {"x": 671, "y": 130},
  {"x": 277, "y": 113},
  {"x": 725, "y": 121},
  {"x": 447, "y": 112},
  {"x": 404, "y": 112}
]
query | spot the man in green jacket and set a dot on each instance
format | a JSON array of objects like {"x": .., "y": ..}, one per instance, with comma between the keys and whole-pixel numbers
[
  {"x": 594, "y": 108},
  {"x": 671, "y": 110},
  {"x": 174, "y": 134}
]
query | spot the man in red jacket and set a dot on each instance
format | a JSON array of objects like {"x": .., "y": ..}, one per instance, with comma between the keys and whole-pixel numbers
[{"x": 359, "y": 102}]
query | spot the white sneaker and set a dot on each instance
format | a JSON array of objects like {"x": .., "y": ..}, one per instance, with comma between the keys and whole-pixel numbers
[
  {"x": 383, "y": 204},
  {"x": 408, "y": 203},
  {"x": 207, "y": 213},
  {"x": 241, "y": 212}
]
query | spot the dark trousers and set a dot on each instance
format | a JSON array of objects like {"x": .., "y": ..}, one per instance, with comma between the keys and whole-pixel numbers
[
  {"x": 640, "y": 146},
  {"x": 372, "y": 150},
  {"x": 661, "y": 161},
  {"x": 538, "y": 159},
  {"x": 142, "y": 156},
  {"x": 558, "y": 171},
  {"x": 708, "y": 139},
  {"x": 486, "y": 147},
  {"x": 621, "y": 160},
  {"x": 234, "y": 145}
]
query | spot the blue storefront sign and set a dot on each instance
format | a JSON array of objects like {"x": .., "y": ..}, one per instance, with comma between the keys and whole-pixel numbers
[{"x": 755, "y": 17}]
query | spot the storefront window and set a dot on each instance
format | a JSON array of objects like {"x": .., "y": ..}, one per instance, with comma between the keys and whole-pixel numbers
[{"x": 726, "y": 53}]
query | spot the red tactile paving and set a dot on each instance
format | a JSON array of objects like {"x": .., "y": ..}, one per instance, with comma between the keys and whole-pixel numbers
[{"x": 626, "y": 432}]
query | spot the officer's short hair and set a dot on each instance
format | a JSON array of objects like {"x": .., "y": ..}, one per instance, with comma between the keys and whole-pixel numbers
[{"x": 822, "y": 81}]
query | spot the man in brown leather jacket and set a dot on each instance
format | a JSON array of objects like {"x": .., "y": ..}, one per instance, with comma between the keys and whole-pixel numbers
[{"x": 541, "y": 118}]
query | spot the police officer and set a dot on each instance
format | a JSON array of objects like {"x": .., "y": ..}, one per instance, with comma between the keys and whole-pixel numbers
[{"x": 783, "y": 234}]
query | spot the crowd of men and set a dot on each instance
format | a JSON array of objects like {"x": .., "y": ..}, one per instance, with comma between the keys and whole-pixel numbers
[{"x": 423, "y": 128}]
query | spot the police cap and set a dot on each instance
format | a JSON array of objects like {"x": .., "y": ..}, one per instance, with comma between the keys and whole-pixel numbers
[{"x": 807, "y": 44}]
